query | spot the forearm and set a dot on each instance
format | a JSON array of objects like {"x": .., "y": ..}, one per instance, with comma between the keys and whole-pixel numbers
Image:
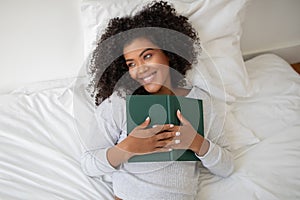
[
  {"x": 95, "y": 163},
  {"x": 102, "y": 161},
  {"x": 116, "y": 155},
  {"x": 218, "y": 160}
]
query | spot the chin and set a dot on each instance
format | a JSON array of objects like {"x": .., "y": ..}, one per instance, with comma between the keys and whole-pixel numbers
[{"x": 152, "y": 88}]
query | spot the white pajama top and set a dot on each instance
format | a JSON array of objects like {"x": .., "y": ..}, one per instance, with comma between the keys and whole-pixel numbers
[{"x": 152, "y": 180}]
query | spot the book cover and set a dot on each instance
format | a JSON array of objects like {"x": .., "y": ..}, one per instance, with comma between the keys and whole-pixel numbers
[{"x": 162, "y": 110}]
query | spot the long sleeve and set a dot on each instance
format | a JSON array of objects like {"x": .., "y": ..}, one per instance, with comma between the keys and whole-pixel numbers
[
  {"x": 218, "y": 158},
  {"x": 95, "y": 163},
  {"x": 104, "y": 132}
]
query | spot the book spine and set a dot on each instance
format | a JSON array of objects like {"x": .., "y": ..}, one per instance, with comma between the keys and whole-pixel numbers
[
  {"x": 169, "y": 120},
  {"x": 168, "y": 99},
  {"x": 172, "y": 117}
]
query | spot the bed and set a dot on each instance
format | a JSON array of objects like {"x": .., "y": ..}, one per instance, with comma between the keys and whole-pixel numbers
[{"x": 40, "y": 127}]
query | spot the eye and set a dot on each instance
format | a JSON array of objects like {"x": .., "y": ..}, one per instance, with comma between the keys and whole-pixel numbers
[
  {"x": 147, "y": 56},
  {"x": 130, "y": 65}
]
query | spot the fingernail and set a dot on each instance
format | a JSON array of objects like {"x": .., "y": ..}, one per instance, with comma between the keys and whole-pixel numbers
[
  {"x": 177, "y": 141},
  {"x": 170, "y": 149},
  {"x": 147, "y": 118},
  {"x": 177, "y": 133},
  {"x": 154, "y": 126},
  {"x": 171, "y": 125},
  {"x": 178, "y": 111}
]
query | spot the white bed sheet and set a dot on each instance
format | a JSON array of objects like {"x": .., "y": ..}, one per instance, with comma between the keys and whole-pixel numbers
[
  {"x": 271, "y": 168},
  {"x": 40, "y": 149}
]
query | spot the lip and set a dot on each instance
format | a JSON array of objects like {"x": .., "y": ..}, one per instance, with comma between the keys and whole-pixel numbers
[{"x": 148, "y": 78}]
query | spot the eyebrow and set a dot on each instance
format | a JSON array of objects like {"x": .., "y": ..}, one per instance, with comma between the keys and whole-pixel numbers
[{"x": 147, "y": 49}]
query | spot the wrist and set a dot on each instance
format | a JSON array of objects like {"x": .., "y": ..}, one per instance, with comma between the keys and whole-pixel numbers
[
  {"x": 116, "y": 156},
  {"x": 124, "y": 151},
  {"x": 197, "y": 143},
  {"x": 200, "y": 145},
  {"x": 204, "y": 148}
]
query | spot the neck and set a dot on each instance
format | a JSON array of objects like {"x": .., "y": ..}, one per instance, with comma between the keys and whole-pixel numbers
[
  {"x": 173, "y": 91},
  {"x": 166, "y": 91}
]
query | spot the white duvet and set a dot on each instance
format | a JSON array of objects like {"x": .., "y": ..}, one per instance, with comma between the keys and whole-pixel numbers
[{"x": 40, "y": 147}]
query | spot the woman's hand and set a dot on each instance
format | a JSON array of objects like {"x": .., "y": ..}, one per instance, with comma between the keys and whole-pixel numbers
[
  {"x": 161, "y": 138},
  {"x": 143, "y": 140},
  {"x": 188, "y": 138}
]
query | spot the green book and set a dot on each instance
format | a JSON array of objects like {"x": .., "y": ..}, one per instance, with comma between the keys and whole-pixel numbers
[{"x": 162, "y": 110}]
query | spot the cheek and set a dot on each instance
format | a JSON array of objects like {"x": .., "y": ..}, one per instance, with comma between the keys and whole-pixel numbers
[
  {"x": 132, "y": 73},
  {"x": 165, "y": 71}
]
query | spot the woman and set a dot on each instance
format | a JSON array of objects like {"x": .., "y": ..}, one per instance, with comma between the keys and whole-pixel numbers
[{"x": 132, "y": 57}]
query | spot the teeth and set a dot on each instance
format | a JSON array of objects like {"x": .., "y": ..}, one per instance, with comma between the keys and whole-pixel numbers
[{"x": 148, "y": 78}]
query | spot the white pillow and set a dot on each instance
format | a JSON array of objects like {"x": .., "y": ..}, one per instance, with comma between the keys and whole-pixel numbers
[
  {"x": 274, "y": 105},
  {"x": 271, "y": 75},
  {"x": 221, "y": 70}
]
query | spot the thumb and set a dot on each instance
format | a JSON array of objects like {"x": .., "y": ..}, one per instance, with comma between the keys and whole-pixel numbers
[
  {"x": 181, "y": 118},
  {"x": 145, "y": 123}
]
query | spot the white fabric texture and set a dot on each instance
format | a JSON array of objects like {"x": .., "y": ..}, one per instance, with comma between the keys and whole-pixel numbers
[
  {"x": 221, "y": 69},
  {"x": 40, "y": 148},
  {"x": 269, "y": 169}
]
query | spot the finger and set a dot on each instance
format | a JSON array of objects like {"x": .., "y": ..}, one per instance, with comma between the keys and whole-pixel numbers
[
  {"x": 145, "y": 123},
  {"x": 162, "y": 128},
  {"x": 163, "y": 149},
  {"x": 181, "y": 118},
  {"x": 173, "y": 144},
  {"x": 149, "y": 132},
  {"x": 165, "y": 135},
  {"x": 164, "y": 143}
]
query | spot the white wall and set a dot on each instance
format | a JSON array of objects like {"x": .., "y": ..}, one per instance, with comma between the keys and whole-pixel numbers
[
  {"x": 40, "y": 40},
  {"x": 272, "y": 26}
]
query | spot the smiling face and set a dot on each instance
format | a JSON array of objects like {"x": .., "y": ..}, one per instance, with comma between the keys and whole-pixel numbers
[{"x": 148, "y": 65}]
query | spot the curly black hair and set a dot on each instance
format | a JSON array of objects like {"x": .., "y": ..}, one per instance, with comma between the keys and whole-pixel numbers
[{"x": 158, "y": 22}]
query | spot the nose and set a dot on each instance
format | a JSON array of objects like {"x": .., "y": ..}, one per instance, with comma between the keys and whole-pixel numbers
[{"x": 142, "y": 68}]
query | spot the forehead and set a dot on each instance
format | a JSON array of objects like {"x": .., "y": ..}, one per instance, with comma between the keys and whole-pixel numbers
[{"x": 138, "y": 45}]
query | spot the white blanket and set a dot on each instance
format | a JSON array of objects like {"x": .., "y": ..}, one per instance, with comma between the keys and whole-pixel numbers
[{"x": 40, "y": 148}]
